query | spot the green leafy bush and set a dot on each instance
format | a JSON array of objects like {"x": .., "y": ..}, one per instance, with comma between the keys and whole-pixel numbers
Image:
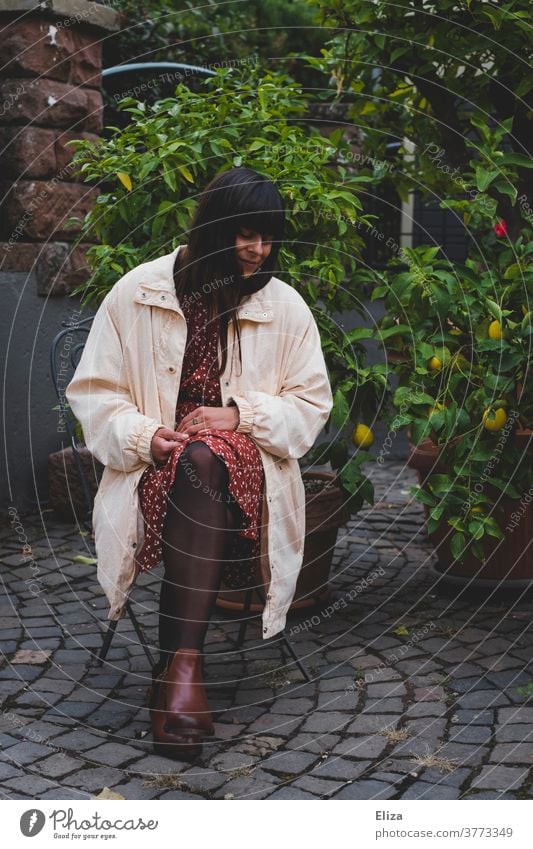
[{"x": 438, "y": 78}]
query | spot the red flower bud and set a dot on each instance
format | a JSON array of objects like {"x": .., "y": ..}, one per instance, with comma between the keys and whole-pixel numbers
[{"x": 500, "y": 228}]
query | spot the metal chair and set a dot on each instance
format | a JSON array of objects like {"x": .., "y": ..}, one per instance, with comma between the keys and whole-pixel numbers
[
  {"x": 65, "y": 353},
  {"x": 63, "y": 363}
]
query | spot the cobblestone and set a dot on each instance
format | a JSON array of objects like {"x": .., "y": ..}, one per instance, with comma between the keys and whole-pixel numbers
[
  {"x": 366, "y": 790},
  {"x": 362, "y": 747},
  {"x": 451, "y": 699},
  {"x": 318, "y": 786},
  {"x": 500, "y": 778},
  {"x": 336, "y": 767},
  {"x": 423, "y": 790},
  {"x": 326, "y": 721},
  {"x": 289, "y": 762},
  {"x": 317, "y": 743},
  {"x": 30, "y": 785},
  {"x": 112, "y": 754},
  {"x": 518, "y": 753},
  {"x": 96, "y": 779},
  {"x": 291, "y": 793},
  {"x": 25, "y": 753}
]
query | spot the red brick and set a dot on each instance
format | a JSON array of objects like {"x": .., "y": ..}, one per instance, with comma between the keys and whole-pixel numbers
[
  {"x": 59, "y": 267},
  {"x": 37, "y": 152},
  {"x": 47, "y": 103},
  {"x": 28, "y": 151},
  {"x": 40, "y": 209},
  {"x": 19, "y": 256},
  {"x": 65, "y": 153},
  {"x": 35, "y": 47}
]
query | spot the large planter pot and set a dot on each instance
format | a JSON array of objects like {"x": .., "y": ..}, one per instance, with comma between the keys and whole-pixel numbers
[
  {"x": 509, "y": 561},
  {"x": 64, "y": 484},
  {"x": 325, "y": 512}
]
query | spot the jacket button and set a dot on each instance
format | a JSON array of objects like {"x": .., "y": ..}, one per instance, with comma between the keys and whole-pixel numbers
[
  {"x": 143, "y": 295},
  {"x": 226, "y": 382},
  {"x": 172, "y": 369},
  {"x": 162, "y": 297}
]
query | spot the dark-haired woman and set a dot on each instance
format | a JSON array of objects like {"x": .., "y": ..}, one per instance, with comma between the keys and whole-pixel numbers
[{"x": 201, "y": 384}]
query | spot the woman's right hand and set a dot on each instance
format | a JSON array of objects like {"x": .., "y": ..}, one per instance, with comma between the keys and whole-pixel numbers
[{"x": 163, "y": 443}]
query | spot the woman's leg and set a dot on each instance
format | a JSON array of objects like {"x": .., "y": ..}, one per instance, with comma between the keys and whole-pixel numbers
[{"x": 195, "y": 534}]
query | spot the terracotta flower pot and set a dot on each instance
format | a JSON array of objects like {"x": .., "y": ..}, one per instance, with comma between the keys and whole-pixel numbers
[
  {"x": 509, "y": 561},
  {"x": 325, "y": 512}
]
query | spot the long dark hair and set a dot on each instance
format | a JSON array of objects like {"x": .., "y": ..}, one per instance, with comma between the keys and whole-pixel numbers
[{"x": 235, "y": 199}]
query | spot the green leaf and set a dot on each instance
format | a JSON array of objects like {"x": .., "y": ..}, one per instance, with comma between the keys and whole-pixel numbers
[
  {"x": 506, "y": 188},
  {"x": 184, "y": 171},
  {"x": 516, "y": 159},
  {"x": 457, "y": 546},
  {"x": 359, "y": 333},
  {"x": 419, "y": 430},
  {"x": 424, "y": 496},
  {"x": 387, "y": 332},
  {"x": 476, "y": 528},
  {"x": 341, "y": 412},
  {"x": 80, "y": 558},
  {"x": 437, "y": 512},
  {"x": 494, "y": 309},
  {"x": 484, "y": 177}
]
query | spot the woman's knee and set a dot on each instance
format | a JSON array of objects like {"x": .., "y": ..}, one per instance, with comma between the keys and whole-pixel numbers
[{"x": 202, "y": 466}]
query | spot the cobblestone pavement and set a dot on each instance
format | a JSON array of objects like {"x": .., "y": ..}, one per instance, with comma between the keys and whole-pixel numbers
[{"x": 417, "y": 693}]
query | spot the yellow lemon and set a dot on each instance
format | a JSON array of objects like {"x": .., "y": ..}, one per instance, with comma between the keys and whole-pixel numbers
[
  {"x": 500, "y": 417},
  {"x": 125, "y": 179},
  {"x": 363, "y": 436},
  {"x": 495, "y": 330},
  {"x": 434, "y": 364},
  {"x": 437, "y": 408},
  {"x": 455, "y": 332},
  {"x": 476, "y": 510}
]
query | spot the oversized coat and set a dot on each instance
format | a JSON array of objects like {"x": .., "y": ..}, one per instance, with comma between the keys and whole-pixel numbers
[{"x": 126, "y": 386}]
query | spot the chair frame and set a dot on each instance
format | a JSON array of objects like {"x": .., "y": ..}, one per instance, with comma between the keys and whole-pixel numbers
[{"x": 83, "y": 327}]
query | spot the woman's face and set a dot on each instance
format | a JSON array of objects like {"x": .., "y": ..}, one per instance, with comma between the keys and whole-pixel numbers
[{"x": 252, "y": 249}]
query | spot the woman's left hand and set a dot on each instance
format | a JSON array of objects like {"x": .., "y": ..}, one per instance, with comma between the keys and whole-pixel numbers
[{"x": 210, "y": 418}]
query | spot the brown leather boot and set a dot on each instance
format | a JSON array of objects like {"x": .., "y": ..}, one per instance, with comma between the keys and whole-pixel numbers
[{"x": 181, "y": 717}]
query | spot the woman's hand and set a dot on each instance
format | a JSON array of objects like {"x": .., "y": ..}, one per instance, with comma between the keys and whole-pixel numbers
[
  {"x": 163, "y": 443},
  {"x": 210, "y": 418}
]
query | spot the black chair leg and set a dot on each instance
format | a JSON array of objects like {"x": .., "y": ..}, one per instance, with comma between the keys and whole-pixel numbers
[
  {"x": 245, "y": 620},
  {"x": 140, "y": 634},
  {"x": 286, "y": 642},
  {"x": 109, "y": 634}
]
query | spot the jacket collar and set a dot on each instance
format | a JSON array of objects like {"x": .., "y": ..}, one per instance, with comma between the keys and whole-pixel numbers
[{"x": 156, "y": 288}]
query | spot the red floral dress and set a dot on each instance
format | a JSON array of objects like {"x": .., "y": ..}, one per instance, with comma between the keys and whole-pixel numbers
[{"x": 200, "y": 386}]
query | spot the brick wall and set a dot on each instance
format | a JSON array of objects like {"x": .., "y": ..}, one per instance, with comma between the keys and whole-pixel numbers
[{"x": 50, "y": 77}]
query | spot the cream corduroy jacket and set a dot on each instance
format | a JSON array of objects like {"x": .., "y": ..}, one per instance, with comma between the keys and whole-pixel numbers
[{"x": 126, "y": 386}]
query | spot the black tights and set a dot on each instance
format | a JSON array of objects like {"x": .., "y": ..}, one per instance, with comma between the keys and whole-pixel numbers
[{"x": 195, "y": 535}]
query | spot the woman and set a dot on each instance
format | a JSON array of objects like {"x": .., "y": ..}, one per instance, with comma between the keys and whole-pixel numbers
[{"x": 201, "y": 383}]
